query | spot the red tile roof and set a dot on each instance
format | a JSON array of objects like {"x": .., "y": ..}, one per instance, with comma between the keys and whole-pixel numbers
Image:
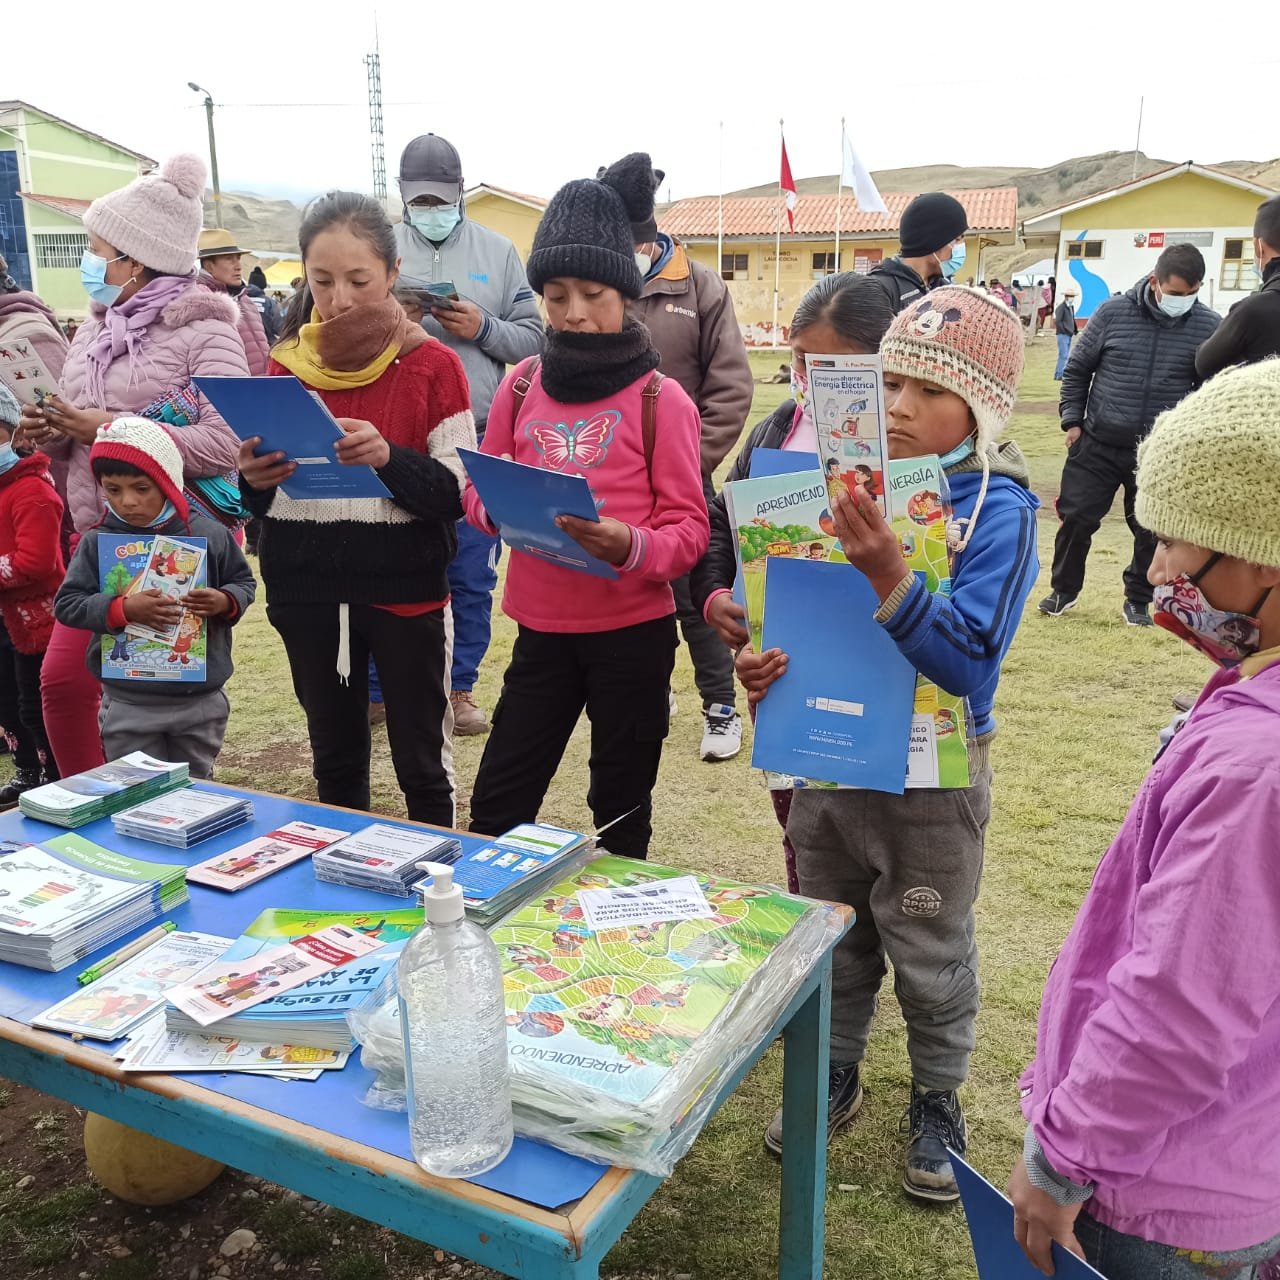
[
  {"x": 67, "y": 205},
  {"x": 989, "y": 208}
]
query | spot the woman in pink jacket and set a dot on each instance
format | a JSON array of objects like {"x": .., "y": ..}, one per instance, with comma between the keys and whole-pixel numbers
[
  {"x": 1153, "y": 1143},
  {"x": 151, "y": 329}
]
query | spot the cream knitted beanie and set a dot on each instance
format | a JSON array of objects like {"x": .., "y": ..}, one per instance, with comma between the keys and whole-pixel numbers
[
  {"x": 965, "y": 341},
  {"x": 157, "y": 218},
  {"x": 1209, "y": 472}
]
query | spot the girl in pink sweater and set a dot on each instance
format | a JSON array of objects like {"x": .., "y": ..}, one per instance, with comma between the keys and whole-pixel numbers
[{"x": 604, "y": 644}]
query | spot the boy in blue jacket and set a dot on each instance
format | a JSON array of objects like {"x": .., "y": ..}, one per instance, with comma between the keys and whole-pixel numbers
[{"x": 910, "y": 864}]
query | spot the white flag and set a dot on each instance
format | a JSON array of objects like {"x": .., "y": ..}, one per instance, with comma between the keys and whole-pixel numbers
[{"x": 861, "y": 182}]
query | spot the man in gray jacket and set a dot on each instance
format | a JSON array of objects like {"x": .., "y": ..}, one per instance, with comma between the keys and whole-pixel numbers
[{"x": 494, "y": 322}]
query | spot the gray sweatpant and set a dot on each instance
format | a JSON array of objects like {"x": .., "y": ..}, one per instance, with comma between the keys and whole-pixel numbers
[
  {"x": 189, "y": 728},
  {"x": 910, "y": 866}
]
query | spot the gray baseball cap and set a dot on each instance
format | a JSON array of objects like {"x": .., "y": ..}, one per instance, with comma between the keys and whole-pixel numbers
[{"x": 430, "y": 166}]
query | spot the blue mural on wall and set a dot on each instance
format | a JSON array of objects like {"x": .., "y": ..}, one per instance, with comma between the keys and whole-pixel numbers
[
  {"x": 1093, "y": 289},
  {"x": 13, "y": 221}
]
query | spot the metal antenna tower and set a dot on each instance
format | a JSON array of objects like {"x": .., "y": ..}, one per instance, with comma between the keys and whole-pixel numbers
[{"x": 373, "y": 62}]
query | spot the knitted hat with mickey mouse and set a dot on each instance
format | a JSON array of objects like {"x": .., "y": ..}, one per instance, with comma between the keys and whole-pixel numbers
[
  {"x": 965, "y": 341},
  {"x": 147, "y": 446}
]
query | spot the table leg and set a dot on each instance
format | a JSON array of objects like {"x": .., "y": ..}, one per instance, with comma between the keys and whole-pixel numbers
[{"x": 804, "y": 1150}]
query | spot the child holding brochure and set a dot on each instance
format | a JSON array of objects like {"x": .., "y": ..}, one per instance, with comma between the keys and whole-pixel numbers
[
  {"x": 139, "y": 469},
  {"x": 910, "y": 864},
  {"x": 606, "y": 644},
  {"x": 1153, "y": 1104}
]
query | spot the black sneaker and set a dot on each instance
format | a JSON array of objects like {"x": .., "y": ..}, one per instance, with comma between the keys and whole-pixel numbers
[
  {"x": 1055, "y": 604},
  {"x": 22, "y": 780},
  {"x": 844, "y": 1099},
  {"x": 934, "y": 1121},
  {"x": 1136, "y": 615}
]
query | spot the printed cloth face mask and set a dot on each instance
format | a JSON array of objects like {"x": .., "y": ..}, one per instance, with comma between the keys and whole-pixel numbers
[{"x": 1224, "y": 637}]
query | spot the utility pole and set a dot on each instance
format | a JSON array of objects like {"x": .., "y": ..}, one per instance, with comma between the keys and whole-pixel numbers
[
  {"x": 373, "y": 62},
  {"x": 213, "y": 152}
]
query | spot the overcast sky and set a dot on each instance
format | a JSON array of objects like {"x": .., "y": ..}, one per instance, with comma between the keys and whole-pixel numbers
[{"x": 534, "y": 93}]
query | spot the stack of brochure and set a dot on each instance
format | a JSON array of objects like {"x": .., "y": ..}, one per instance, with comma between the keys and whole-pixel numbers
[
  {"x": 383, "y": 858},
  {"x": 515, "y": 867},
  {"x": 96, "y": 793},
  {"x": 66, "y": 899},
  {"x": 183, "y": 818},
  {"x": 313, "y": 1014}
]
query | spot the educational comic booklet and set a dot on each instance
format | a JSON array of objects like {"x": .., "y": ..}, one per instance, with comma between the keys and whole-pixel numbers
[
  {"x": 230, "y": 986},
  {"x": 126, "y": 996},
  {"x": 248, "y": 863},
  {"x": 138, "y": 653},
  {"x": 25, "y": 374},
  {"x": 155, "y": 1048},
  {"x": 783, "y": 515},
  {"x": 173, "y": 566},
  {"x": 847, "y": 398}
]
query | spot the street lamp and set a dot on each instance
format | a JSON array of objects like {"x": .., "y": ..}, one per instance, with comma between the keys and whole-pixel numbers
[{"x": 213, "y": 152}]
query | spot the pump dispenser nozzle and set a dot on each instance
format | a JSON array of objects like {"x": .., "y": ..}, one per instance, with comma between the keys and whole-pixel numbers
[{"x": 441, "y": 898}]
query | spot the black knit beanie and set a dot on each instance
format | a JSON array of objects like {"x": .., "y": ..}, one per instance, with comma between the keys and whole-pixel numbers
[
  {"x": 586, "y": 231},
  {"x": 931, "y": 221}
]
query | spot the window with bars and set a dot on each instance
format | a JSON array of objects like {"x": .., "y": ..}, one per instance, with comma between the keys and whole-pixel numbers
[
  {"x": 60, "y": 250},
  {"x": 1237, "y": 264},
  {"x": 735, "y": 266},
  {"x": 824, "y": 264},
  {"x": 1084, "y": 248}
]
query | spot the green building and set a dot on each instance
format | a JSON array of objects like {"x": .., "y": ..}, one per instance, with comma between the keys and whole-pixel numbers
[{"x": 50, "y": 169}]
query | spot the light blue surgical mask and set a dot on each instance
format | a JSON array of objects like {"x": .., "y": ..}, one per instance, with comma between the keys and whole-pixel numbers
[
  {"x": 436, "y": 221},
  {"x": 955, "y": 262},
  {"x": 963, "y": 450},
  {"x": 93, "y": 275},
  {"x": 1175, "y": 304},
  {"x": 8, "y": 459}
]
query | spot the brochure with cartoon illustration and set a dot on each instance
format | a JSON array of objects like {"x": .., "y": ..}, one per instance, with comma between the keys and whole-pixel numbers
[
  {"x": 846, "y": 394},
  {"x": 24, "y": 373},
  {"x": 229, "y": 986},
  {"x": 128, "y": 995},
  {"x": 780, "y": 515},
  {"x": 156, "y": 1048},
  {"x": 246, "y": 864},
  {"x": 172, "y": 566}
]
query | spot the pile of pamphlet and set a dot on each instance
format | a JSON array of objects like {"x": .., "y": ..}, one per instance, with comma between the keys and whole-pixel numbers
[
  {"x": 183, "y": 818},
  {"x": 383, "y": 858},
  {"x": 69, "y": 897},
  {"x": 96, "y": 793},
  {"x": 515, "y": 866}
]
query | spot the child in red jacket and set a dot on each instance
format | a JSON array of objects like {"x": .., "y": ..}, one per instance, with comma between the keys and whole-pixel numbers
[
  {"x": 31, "y": 569},
  {"x": 593, "y": 407}
]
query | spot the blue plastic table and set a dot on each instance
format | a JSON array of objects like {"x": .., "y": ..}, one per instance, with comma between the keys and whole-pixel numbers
[{"x": 541, "y": 1214}]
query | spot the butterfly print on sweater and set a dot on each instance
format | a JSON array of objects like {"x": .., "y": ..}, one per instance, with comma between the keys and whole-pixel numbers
[{"x": 584, "y": 444}]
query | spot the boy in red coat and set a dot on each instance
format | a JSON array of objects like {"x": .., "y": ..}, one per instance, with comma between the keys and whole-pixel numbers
[{"x": 31, "y": 569}]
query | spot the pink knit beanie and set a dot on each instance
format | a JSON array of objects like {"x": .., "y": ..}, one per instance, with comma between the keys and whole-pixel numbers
[
  {"x": 965, "y": 341},
  {"x": 157, "y": 218}
]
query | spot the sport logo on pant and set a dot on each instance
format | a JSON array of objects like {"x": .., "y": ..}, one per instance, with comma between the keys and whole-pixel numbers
[{"x": 922, "y": 902}]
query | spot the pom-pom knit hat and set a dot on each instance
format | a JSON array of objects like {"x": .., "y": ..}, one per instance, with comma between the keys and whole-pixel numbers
[
  {"x": 1209, "y": 472},
  {"x": 157, "y": 218},
  {"x": 965, "y": 341},
  {"x": 147, "y": 446},
  {"x": 586, "y": 230}
]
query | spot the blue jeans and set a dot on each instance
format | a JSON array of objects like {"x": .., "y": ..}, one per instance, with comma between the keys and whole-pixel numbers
[
  {"x": 1064, "y": 350},
  {"x": 1122, "y": 1257},
  {"x": 473, "y": 574}
]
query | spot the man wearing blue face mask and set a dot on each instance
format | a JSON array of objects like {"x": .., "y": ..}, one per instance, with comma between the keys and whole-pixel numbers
[
  {"x": 494, "y": 322},
  {"x": 932, "y": 249},
  {"x": 1135, "y": 359}
]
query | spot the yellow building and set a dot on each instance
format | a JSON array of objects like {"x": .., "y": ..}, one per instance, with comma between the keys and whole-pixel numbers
[
  {"x": 810, "y": 252},
  {"x": 510, "y": 213},
  {"x": 1109, "y": 241}
]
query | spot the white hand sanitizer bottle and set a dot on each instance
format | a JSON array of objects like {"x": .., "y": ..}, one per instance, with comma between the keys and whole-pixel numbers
[{"x": 453, "y": 1016}]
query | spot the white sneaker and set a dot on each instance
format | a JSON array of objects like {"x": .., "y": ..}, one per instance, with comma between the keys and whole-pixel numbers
[
  {"x": 722, "y": 738},
  {"x": 672, "y": 705}
]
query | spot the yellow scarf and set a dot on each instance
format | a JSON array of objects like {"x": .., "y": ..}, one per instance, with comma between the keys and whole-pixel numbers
[{"x": 351, "y": 350}]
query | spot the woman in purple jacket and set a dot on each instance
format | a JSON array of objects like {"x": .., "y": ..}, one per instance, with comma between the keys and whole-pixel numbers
[{"x": 1153, "y": 1143}]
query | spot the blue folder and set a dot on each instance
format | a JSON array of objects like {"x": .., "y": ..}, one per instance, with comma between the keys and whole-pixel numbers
[
  {"x": 998, "y": 1254},
  {"x": 292, "y": 421},
  {"x": 781, "y": 462},
  {"x": 842, "y": 711},
  {"x": 524, "y": 501}
]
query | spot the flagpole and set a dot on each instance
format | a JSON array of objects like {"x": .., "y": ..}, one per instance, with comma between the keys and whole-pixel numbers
[
  {"x": 839, "y": 191},
  {"x": 777, "y": 245},
  {"x": 720, "y": 210}
]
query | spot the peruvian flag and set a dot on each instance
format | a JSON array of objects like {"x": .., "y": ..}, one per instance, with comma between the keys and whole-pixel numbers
[{"x": 788, "y": 185}]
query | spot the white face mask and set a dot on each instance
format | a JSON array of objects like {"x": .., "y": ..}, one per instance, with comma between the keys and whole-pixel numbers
[{"x": 1174, "y": 305}]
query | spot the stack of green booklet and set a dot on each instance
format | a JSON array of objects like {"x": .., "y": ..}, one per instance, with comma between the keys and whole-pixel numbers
[
  {"x": 97, "y": 793},
  {"x": 633, "y": 992}
]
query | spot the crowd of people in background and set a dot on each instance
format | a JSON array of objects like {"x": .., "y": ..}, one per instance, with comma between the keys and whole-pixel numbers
[{"x": 1153, "y": 1136}]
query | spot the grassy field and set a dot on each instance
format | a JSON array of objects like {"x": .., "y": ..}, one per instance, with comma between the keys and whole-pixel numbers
[{"x": 1079, "y": 706}]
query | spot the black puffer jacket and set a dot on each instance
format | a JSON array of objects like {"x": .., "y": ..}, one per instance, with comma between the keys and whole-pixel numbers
[
  {"x": 1131, "y": 363},
  {"x": 716, "y": 570},
  {"x": 1251, "y": 330},
  {"x": 901, "y": 283}
]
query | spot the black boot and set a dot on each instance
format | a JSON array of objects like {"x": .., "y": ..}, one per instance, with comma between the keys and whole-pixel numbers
[
  {"x": 934, "y": 1121},
  {"x": 22, "y": 780},
  {"x": 844, "y": 1098}
]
